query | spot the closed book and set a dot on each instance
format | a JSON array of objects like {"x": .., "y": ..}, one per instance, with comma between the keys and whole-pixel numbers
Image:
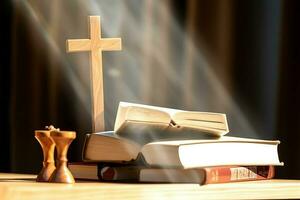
[
  {"x": 110, "y": 147},
  {"x": 222, "y": 174}
]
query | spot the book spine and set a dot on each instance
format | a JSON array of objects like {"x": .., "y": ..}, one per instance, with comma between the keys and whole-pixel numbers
[
  {"x": 238, "y": 174},
  {"x": 118, "y": 173}
]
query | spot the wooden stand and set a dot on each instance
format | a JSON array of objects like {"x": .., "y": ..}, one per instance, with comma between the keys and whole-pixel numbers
[
  {"x": 62, "y": 140},
  {"x": 43, "y": 136}
]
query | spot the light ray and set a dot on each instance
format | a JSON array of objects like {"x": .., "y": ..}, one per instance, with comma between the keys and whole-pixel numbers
[{"x": 125, "y": 71}]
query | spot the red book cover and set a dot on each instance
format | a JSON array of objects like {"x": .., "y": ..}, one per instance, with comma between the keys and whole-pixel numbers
[{"x": 236, "y": 174}]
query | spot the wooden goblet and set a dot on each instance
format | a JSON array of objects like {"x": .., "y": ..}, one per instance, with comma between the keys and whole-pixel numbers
[
  {"x": 62, "y": 140},
  {"x": 43, "y": 136}
]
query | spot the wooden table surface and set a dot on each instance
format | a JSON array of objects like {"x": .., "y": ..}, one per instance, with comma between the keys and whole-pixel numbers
[{"x": 18, "y": 186}]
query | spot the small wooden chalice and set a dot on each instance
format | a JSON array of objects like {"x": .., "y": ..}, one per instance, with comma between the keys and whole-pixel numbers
[
  {"x": 62, "y": 140},
  {"x": 43, "y": 136}
]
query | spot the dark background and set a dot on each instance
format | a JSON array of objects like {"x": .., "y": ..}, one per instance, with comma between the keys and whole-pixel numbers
[{"x": 253, "y": 46}]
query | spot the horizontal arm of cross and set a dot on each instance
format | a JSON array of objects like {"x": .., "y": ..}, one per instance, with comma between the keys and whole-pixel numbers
[
  {"x": 104, "y": 44},
  {"x": 110, "y": 44},
  {"x": 78, "y": 45}
]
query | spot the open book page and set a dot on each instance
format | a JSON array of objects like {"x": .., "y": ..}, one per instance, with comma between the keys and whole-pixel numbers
[
  {"x": 170, "y": 111},
  {"x": 206, "y": 126},
  {"x": 144, "y": 133},
  {"x": 214, "y": 123},
  {"x": 141, "y": 113},
  {"x": 176, "y": 113}
]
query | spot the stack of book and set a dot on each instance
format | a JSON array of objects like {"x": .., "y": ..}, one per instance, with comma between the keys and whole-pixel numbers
[{"x": 155, "y": 144}]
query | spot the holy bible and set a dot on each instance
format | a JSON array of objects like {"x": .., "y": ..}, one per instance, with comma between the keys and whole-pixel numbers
[
  {"x": 134, "y": 119},
  {"x": 110, "y": 147},
  {"x": 209, "y": 175}
]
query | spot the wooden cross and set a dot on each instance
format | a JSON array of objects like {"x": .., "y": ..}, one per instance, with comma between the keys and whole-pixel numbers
[{"x": 95, "y": 45}]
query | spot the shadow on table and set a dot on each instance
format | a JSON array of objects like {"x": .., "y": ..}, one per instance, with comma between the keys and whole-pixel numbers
[{"x": 17, "y": 179}]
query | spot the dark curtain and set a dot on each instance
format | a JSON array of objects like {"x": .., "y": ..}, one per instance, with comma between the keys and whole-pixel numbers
[
  {"x": 251, "y": 46},
  {"x": 288, "y": 116},
  {"x": 5, "y": 73}
]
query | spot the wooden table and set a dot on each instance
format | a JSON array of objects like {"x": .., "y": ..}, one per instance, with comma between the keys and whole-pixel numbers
[{"x": 23, "y": 187}]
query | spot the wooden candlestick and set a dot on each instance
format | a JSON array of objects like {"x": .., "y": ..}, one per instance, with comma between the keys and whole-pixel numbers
[
  {"x": 43, "y": 136},
  {"x": 62, "y": 140}
]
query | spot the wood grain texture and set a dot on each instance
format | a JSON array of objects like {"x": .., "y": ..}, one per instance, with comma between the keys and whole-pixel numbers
[
  {"x": 43, "y": 136},
  {"x": 17, "y": 186},
  {"x": 62, "y": 140},
  {"x": 95, "y": 45}
]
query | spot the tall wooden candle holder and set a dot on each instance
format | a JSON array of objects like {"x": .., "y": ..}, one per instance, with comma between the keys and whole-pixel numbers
[
  {"x": 48, "y": 146},
  {"x": 62, "y": 140}
]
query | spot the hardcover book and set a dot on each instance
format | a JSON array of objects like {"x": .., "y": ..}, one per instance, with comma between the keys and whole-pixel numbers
[
  {"x": 221, "y": 174},
  {"x": 110, "y": 147}
]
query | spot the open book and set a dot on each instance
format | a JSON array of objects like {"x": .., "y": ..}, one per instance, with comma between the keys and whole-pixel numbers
[
  {"x": 137, "y": 118},
  {"x": 109, "y": 147}
]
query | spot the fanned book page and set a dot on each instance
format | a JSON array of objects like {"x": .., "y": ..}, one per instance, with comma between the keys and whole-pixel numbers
[{"x": 138, "y": 118}]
